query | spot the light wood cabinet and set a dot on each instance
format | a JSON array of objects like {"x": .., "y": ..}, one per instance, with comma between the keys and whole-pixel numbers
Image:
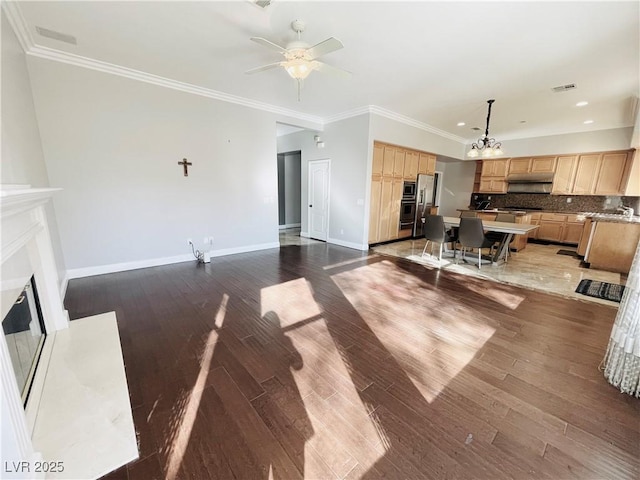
[
  {"x": 411, "y": 166},
  {"x": 391, "y": 167},
  {"x": 535, "y": 220},
  {"x": 611, "y": 176},
  {"x": 555, "y": 227},
  {"x": 378, "y": 159},
  {"x": 613, "y": 246},
  {"x": 495, "y": 168},
  {"x": 564, "y": 176},
  {"x": 493, "y": 177},
  {"x": 388, "y": 161},
  {"x": 632, "y": 188},
  {"x": 584, "y": 236},
  {"x": 427, "y": 164},
  {"x": 586, "y": 174},
  {"x": 493, "y": 185},
  {"x": 543, "y": 164},
  {"x": 520, "y": 165},
  {"x": 374, "y": 212},
  {"x": 398, "y": 164}
]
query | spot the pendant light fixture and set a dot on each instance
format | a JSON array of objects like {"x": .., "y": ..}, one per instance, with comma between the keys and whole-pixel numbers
[{"x": 486, "y": 146}]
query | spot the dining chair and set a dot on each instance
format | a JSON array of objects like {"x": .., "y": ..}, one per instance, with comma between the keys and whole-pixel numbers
[
  {"x": 434, "y": 232},
  {"x": 471, "y": 235}
]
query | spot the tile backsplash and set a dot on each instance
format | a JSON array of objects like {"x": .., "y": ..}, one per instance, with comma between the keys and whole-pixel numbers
[{"x": 557, "y": 203}]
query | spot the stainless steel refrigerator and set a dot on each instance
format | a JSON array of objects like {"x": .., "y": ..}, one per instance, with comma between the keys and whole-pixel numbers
[{"x": 425, "y": 193}]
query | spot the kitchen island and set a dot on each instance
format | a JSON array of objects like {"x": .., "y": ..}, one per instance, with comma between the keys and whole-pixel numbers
[
  {"x": 611, "y": 241},
  {"x": 519, "y": 242}
]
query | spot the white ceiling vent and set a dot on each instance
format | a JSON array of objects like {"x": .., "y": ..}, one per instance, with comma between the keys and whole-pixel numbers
[
  {"x": 61, "y": 37},
  {"x": 564, "y": 88},
  {"x": 262, "y": 3}
]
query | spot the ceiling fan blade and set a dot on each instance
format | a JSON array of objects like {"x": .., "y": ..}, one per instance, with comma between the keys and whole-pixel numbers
[
  {"x": 329, "y": 45},
  {"x": 268, "y": 44},
  {"x": 263, "y": 68},
  {"x": 330, "y": 69}
]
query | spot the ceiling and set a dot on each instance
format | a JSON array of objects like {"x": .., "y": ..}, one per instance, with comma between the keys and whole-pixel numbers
[{"x": 434, "y": 62}]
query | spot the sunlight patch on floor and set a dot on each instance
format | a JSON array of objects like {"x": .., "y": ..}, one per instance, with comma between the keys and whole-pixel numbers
[{"x": 442, "y": 342}]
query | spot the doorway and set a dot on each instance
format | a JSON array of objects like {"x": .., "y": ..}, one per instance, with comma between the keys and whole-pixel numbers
[{"x": 319, "y": 199}]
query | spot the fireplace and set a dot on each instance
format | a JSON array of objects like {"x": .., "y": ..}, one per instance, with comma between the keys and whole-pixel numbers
[
  {"x": 26, "y": 254},
  {"x": 25, "y": 333}
]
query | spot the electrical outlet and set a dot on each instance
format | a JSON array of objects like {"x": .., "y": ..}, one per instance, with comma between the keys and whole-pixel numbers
[
  {"x": 489, "y": 197},
  {"x": 189, "y": 241},
  {"x": 569, "y": 199},
  {"x": 341, "y": 231}
]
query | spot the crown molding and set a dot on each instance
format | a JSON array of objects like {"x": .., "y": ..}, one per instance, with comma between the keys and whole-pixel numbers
[
  {"x": 105, "y": 67},
  {"x": 415, "y": 123},
  {"x": 19, "y": 25}
]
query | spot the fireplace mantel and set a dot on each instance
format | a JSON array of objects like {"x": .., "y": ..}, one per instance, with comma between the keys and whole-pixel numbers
[{"x": 26, "y": 251}]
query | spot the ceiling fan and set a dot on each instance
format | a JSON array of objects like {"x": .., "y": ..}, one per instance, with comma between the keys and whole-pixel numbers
[{"x": 300, "y": 57}]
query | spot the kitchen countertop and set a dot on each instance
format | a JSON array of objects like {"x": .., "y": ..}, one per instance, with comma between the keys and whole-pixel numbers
[
  {"x": 517, "y": 213},
  {"x": 611, "y": 217}
]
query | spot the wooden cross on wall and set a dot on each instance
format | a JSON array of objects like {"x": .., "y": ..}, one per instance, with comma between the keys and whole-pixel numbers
[{"x": 185, "y": 166}]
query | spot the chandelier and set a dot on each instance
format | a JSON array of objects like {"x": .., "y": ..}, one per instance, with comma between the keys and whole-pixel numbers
[{"x": 486, "y": 146}]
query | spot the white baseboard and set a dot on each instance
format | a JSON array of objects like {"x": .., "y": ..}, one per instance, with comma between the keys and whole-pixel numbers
[
  {"x": 305, "y": 234},
  {"x": 288, "y": 225},
  {"x": 156, "y": 262},
  {"x": 342, "y": 243},
  {"x": 244, "y": 249},
  {"x": 123, "y": 267}
]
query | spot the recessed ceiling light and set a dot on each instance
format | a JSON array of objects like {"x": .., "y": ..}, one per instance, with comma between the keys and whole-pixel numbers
[
  {"x": 587, "y": 122},
  {"x": 582, "y": 104},
  {"x": 461, "y": 124},
  {"x": 523, "y": 121}
]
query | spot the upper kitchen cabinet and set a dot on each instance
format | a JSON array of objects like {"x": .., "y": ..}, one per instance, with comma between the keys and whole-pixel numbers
[
  {"x": 633, "y": 183},
  {"x": 565, "y": 175},
  {"x": 398, "y": 164},
  {"x": 495, "y": 168},
  {"x": 388, "y": 160},
  {"x": 493, "y": 178},
  {"x": 604, "y": 173},
  {"x": 378, "y": 160},
  {"x": 427, "y": 164},
  {"x": 411, "y": 165},
  {"x": 532, "y": 165}
]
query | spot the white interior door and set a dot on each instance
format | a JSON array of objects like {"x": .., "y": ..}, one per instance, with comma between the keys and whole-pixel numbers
[{"x": 318, "y": 199}]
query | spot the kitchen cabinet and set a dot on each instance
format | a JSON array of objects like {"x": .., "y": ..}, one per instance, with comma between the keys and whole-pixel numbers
[
  {"x": 606, "y": 173},
  {"x": 632, "y": 188},
  {"x": 427, "y": 164},
  {"x": 495, "y": 168},
  {"x": 374, "y": 212},
  {"x": 562, "y": 228},
  {"x": 532, "y": 165},
  {"x": 612, "y": 174},
  {"x": 535, "y": 220},
  {"x": 398, "y": 163},
  {"x": 586, "y": 174},
  {"x": 584, "y": 236},
  {"x": 378, "y": 160},
  {"x": 493, "y": 185},
  {"x": 613, "y": 245},
  {"x": 391, "y": 167},
  {"x": 493, "y": 176},
  {"x": 564, "y": 175}
]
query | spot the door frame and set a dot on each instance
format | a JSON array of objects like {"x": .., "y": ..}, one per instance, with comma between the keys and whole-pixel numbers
[{"x": 327, "y": 161}]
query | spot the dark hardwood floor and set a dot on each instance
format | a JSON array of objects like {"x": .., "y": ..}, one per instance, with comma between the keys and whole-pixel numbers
[{"x": 322, "y": 362}]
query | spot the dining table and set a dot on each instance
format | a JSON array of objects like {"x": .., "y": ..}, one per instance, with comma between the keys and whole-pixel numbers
[{"x": 508, "y": 230}]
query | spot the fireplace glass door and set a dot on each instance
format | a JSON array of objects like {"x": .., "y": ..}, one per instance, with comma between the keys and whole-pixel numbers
[{"x": 24, "y": 333}]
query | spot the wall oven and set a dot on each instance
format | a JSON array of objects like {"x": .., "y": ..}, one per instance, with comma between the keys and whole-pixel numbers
[
  {"x": 407, "y": 214},
  {"x": 409, "y": 191}
]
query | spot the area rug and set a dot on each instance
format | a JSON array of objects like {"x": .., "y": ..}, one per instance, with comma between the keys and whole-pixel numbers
[{"x": 604, "y": 290}]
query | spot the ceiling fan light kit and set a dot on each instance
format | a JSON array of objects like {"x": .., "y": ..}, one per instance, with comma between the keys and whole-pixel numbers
[
  {"x": 300, "y": 57},
  {"x": 486, "y": 146}
]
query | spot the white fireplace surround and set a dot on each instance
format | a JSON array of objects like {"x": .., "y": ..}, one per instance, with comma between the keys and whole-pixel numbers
[{"x": 26, "y": 251}]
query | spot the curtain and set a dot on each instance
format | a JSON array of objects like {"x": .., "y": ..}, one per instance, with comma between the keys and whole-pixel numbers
[{"x": 622, "y": 360}]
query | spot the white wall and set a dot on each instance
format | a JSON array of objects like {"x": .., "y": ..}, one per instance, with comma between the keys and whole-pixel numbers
[
  {"x": 22, "y": 156},
  {"x": 346, "y": 145},
  {"x": 113, "y": 144},
  {"x": 456, "y": 187},
  {"x": 597, "y": 141}
]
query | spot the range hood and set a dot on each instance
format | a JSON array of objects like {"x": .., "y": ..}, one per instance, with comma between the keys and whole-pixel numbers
[{"x": 530, "y": 183}]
